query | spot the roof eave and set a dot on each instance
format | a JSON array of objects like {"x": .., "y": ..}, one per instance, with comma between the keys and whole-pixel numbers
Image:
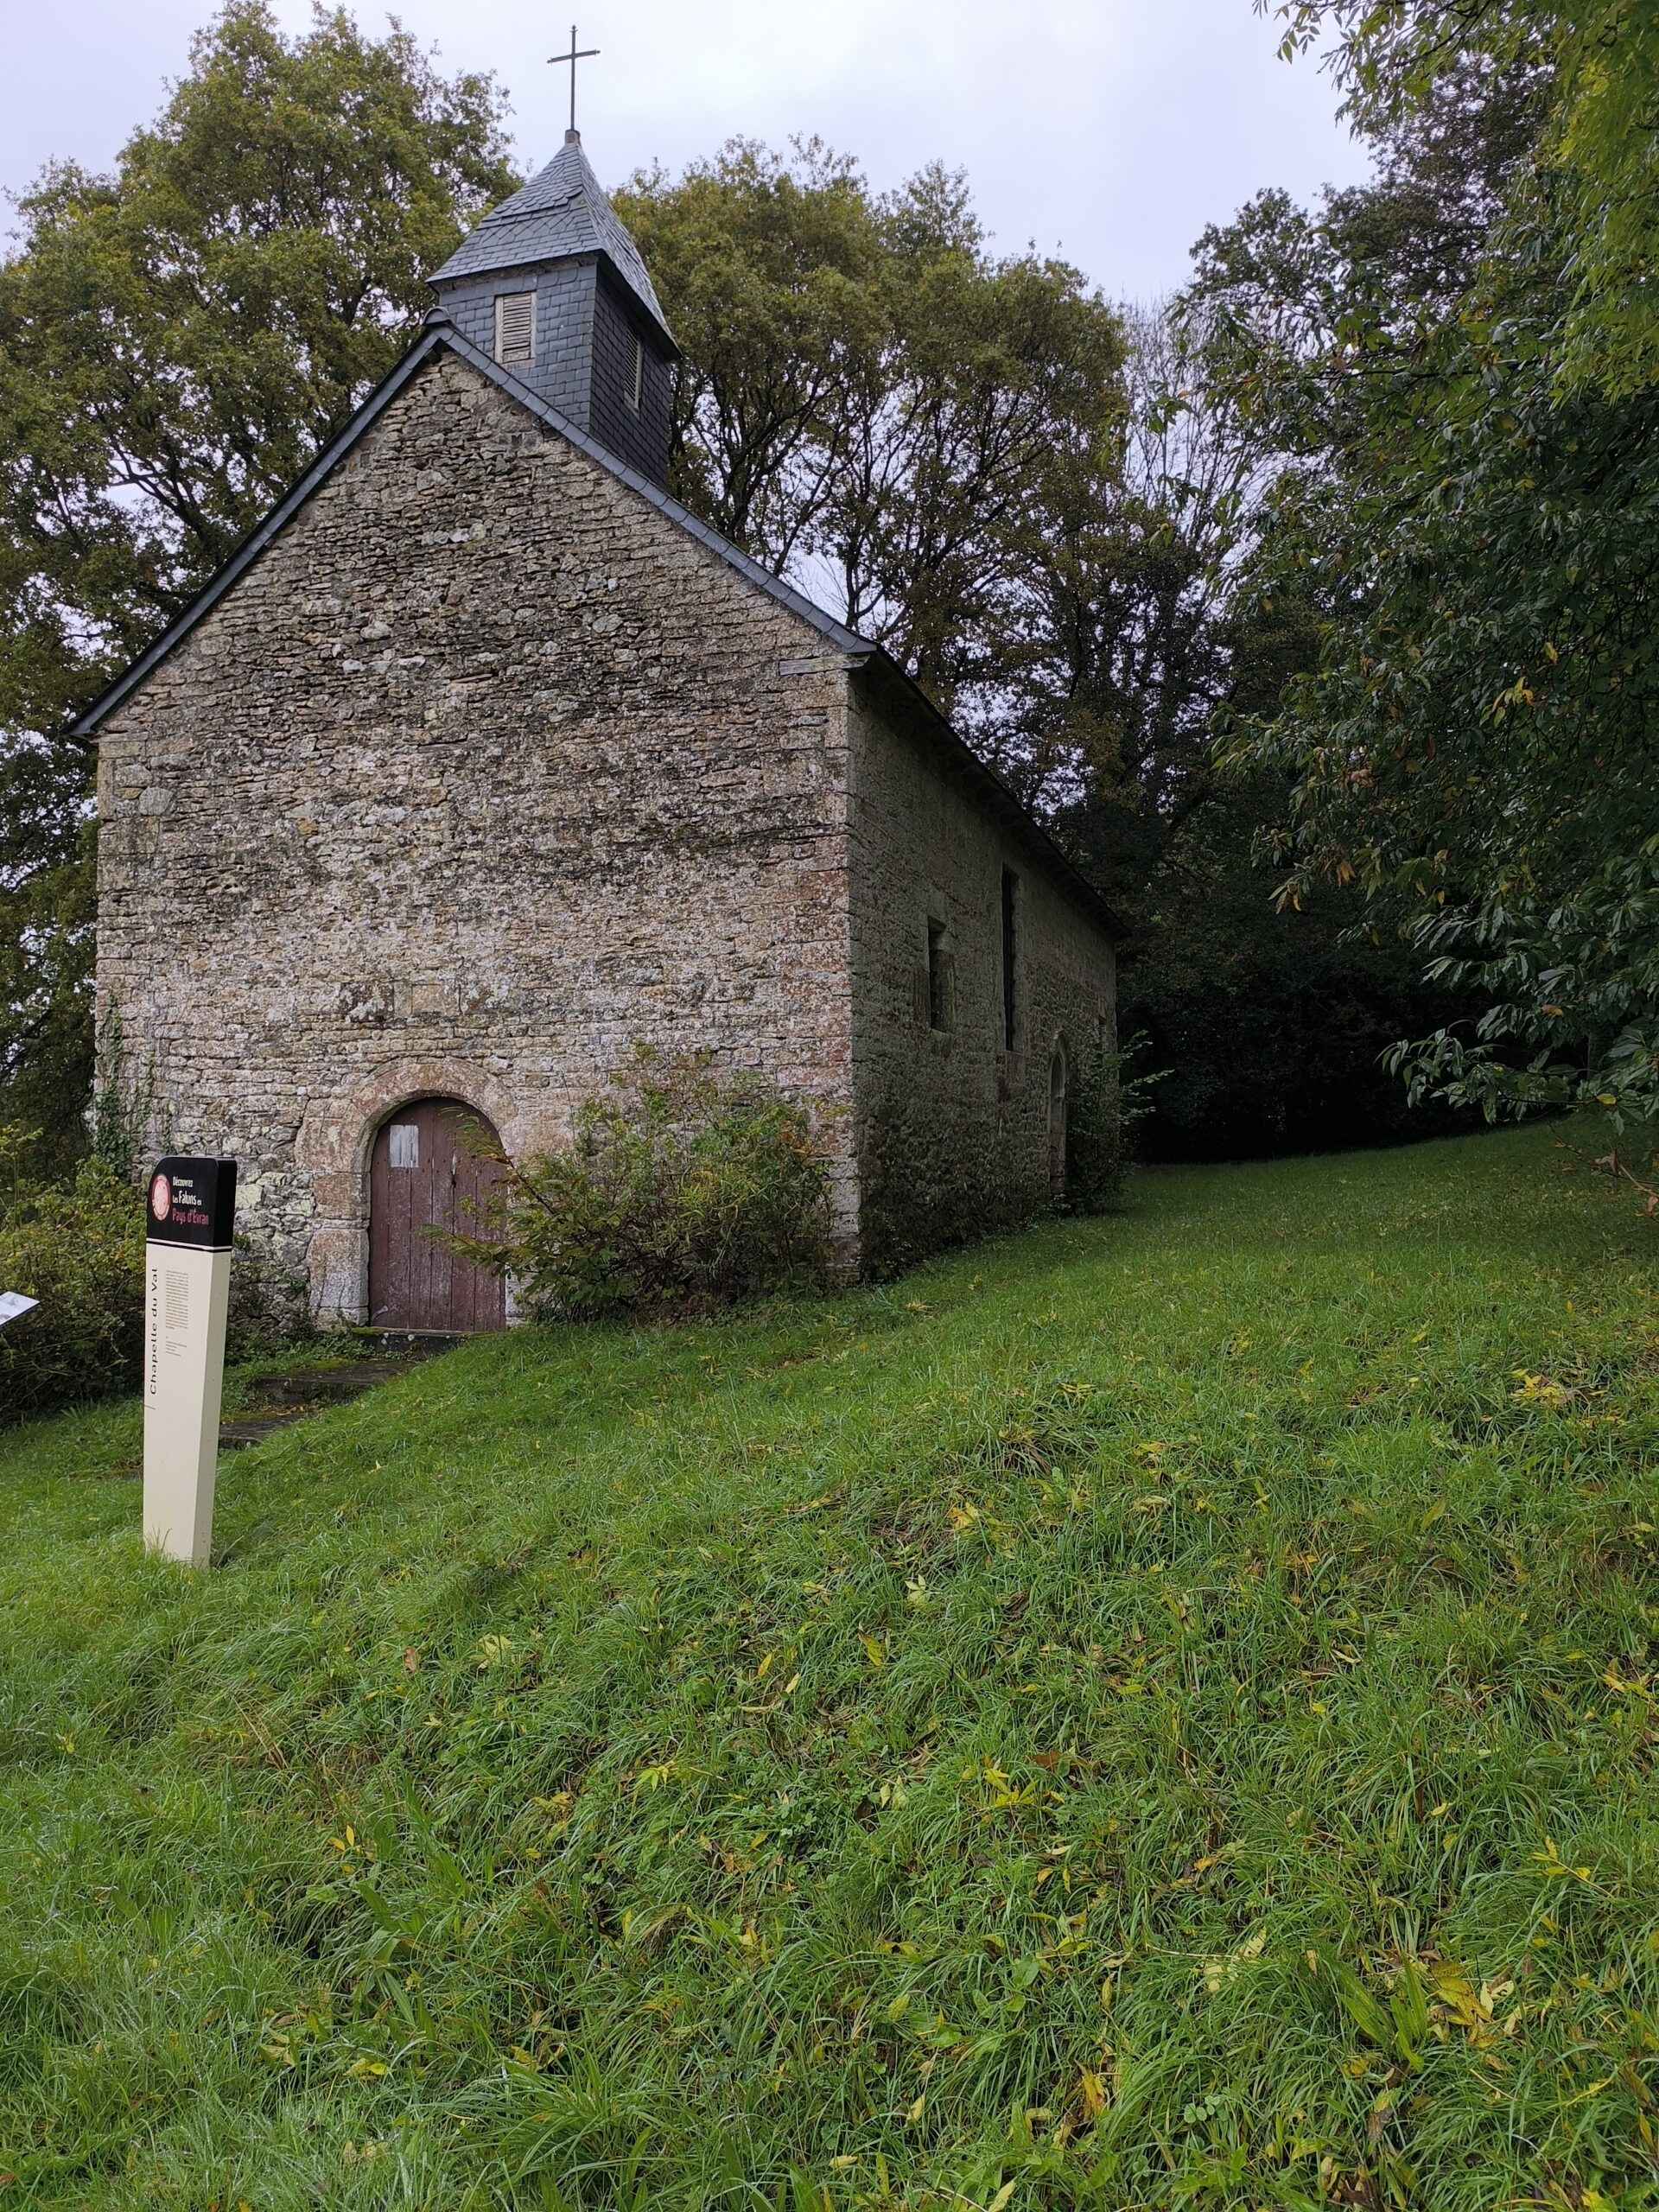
[
  {"x": 904, "y": 701},
  {"x": 263, "y": 533},
  {"x": 440, "y": 331}
]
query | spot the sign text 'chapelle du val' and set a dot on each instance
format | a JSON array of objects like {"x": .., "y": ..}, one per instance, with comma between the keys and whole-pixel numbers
[{"x": 190, "y": 1213}]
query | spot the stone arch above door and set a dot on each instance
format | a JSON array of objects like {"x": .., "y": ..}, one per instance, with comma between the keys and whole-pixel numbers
[{"x": 335, "y": 1140}]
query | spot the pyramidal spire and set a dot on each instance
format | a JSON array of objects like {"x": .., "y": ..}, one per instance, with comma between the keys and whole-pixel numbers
[
  {"x": 562, "y": 211},
  {"x": 550, "y": 285}
]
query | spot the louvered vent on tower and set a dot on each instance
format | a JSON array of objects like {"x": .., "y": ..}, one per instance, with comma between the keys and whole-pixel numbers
[{"x": 515, "y": 328}]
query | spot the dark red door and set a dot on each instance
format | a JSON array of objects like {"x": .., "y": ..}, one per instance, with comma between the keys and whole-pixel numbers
[{"x": 421, "y": 1177}]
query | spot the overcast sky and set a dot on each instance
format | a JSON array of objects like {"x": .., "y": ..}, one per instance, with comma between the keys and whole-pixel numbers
[{"x": 1111, "y": 130}]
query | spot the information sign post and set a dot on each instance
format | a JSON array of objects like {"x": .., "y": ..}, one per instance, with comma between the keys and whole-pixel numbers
[{"x": 189, "y": 1219}]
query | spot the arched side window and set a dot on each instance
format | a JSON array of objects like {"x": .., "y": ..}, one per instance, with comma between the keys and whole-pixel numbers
[{"x": 1059, "y": 1088}]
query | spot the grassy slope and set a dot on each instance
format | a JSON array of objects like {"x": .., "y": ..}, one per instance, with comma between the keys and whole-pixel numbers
[{"x": 1148, "y": 1712}]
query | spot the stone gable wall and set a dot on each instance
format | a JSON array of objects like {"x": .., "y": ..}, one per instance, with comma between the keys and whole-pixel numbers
[
  {"x": 953, "y": 1129},
  {"x": 484, "y": 770}
]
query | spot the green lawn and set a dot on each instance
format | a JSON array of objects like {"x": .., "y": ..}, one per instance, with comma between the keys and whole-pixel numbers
[{"x": 1150, "y": 1711}]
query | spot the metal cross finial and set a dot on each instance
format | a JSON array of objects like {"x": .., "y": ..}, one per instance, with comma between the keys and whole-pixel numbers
[{"x": 573, "y": 57}]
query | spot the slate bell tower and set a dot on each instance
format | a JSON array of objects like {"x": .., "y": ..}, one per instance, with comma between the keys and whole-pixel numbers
[{"x": 552, "y": 287}]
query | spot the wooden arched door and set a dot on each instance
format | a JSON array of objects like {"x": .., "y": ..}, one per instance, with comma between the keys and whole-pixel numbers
[{"x": 424, "y": 1176}]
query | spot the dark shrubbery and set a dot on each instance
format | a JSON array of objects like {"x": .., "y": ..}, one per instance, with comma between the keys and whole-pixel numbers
[
  {"x": 1274, "y": 1025},
  {"x": 684, "y": 1188},
  {"x": 79, "y": 1248},
  {"x": 1106, "y": 1103}
]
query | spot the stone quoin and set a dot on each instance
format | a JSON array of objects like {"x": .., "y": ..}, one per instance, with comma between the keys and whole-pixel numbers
[{"x": 483, "y": 758}]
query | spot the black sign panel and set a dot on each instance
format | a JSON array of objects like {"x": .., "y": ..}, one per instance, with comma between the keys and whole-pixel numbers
[{"x": 192, "y": 1202}]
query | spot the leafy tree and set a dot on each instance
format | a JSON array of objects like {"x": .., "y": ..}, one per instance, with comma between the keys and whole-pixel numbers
[
  {"x": 1601, "y": 58},
  {"x": 876, "y": 406},
  {"x": 1041, "y": 506},
  {"x": 176, "y": 341},
  {"x": 1130, "y": 625},
  {"x": 768, "y": 271},
  {"x": 1471, "y": 512},
  {"x": 1271, "y": 1022},
  {"x": 1477, "y": 750},
  {"x": 1274, "y": 1020},
  {"x": 48, "y": 912}
]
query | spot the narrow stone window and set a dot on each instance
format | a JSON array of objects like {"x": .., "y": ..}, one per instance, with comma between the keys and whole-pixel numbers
[
  {"x": 1059, "y": 1100},
  {"x": 939, "y": 978},
  {"x": 636, "y": 373},
  {"x": 1009, "y": 881},
  {"x": 515, "y": 328}
]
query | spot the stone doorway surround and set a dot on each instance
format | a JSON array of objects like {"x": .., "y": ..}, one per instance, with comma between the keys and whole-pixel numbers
[{"x": 336, "y": 1138}]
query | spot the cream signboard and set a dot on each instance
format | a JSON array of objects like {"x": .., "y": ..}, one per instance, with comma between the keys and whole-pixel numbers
[{"x": 190, "y": 1214}]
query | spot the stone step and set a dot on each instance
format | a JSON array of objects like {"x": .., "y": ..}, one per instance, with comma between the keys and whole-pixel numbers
[{"x": 284, "y": 1395}]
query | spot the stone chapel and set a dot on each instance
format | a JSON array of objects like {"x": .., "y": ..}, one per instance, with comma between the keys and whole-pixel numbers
[{"x": 483, "y": 758}]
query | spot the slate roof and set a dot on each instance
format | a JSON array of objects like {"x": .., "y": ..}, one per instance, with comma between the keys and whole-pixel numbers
[
  {"x": 896, "y": 693},
  {"x": 562, "y": 212}
]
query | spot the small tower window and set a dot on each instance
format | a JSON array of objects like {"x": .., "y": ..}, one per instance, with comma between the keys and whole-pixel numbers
[
  {"x": 515, "y": 328},
  {"x": 636, "y": 373}
]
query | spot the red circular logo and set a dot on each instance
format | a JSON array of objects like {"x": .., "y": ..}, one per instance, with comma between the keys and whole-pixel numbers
[{"x": 161, "y": 1197}]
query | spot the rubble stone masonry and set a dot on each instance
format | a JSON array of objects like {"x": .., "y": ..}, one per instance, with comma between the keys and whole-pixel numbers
[
  {"x": 952, "y": 1124},
  {"x": 487, "y": 768}
]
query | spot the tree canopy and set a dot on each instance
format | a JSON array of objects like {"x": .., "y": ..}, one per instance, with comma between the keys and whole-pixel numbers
[
  {"x": 1602, "y": 144},
  {"x": 1465, "y": 494},
  {"x": 177, "y": 340},
  {"x": 874, "y": 403}
]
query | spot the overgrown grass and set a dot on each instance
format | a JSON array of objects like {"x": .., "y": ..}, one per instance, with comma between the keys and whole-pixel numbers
[{"x": 1150, "y": 1711}]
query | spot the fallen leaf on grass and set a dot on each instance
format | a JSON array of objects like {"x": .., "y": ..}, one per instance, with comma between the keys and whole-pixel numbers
[{"x": 1218, "y": 1972}]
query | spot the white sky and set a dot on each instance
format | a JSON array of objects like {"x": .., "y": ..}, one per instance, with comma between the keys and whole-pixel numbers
[{"x": 1112, "y": 130}]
